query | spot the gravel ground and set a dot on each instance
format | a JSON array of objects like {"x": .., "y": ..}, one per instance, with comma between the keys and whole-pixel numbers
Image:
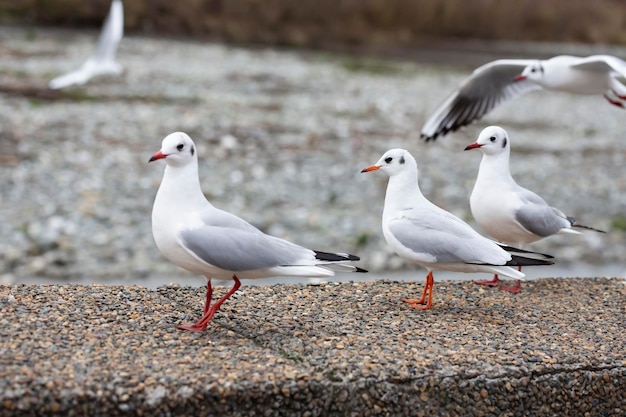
[
  {"x": 282, "y": 136},
  {"x": 331, "y": 349}
]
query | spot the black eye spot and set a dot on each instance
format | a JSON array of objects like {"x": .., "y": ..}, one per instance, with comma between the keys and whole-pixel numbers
[
  {"x": 401, "y": 160},
  {"x": 493, "y": 138},
  {"x": 388, "y": 159},
  {"x": 192, "y": 150},
  {"x": 180, "y": 147},
  {"x": 504, "y": 143}
]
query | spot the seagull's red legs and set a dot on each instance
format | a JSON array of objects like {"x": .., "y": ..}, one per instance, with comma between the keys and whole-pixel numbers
[
  {"x": 209, "y": 294},
  {"x": 621, "y": 97},
  {"x": 209, "y": 312},
  {"x": 512, "y": 288},
  {"x": 614, "y": 102},
  {"x": 428, "y": 288},
  {"x": 490, "y": 282}
]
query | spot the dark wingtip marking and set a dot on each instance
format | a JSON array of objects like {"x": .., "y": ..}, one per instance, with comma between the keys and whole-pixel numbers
[
  {"x": 523, "y": 261},
  {"x": 335, "y": 257},
  {"x": 581, "y": 226},
  {"x": 361, "y": 270},
  {"x": 514, "y": 249}
]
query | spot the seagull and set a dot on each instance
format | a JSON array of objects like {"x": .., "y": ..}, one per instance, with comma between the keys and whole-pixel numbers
[
  {"x": 508, "y": 212},
  {"x": 425, "y": 234},
  {"x": 498, "y": 81},
  {"x": 102, "y": 62},
  {"x": 195, "y": 235}
]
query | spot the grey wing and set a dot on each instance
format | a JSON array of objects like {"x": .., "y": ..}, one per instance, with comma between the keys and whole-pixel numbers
[
  {"x": 487, "y": 87},
  {"x": 111, "y": 33},
  {"x": 536, "y": 216},
  {"x": 241, "y": 250},
  {"x": 447, "y": 238},
  {"x": 602, "y": 63}
]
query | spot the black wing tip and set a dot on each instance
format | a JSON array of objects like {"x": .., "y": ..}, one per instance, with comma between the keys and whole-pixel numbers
[
  {"x": 514, "y": 249},
  {"x": 581, "y": 226},
  {"x": 444, "y": 131},
  {"x": 523, "y": 261},
  {"x": 335, "y": 257},
  {"x": 361, "y": 270}
]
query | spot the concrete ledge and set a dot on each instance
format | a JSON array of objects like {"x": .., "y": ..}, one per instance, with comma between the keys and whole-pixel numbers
[{"x": 558, "y": 348}]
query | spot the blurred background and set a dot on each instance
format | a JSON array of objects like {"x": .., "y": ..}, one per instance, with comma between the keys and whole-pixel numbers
[
  {"x": 287, "y": 102},
  {"x": 325, "y": 23}
]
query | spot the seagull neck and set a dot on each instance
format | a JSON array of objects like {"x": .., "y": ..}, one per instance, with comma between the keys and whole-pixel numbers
[
  {"x": 403, "y": 192},
  {"x": 495, "y": 166},
  {"x": 181, "y": 184}
]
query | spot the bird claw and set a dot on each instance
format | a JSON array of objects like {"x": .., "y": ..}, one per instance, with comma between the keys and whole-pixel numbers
[
  {"x": 192, "y": 327},
  {"x": 514, "y": 289},
  {"x": 413, "y": 301},
  {"x": 420, "y": 306}
]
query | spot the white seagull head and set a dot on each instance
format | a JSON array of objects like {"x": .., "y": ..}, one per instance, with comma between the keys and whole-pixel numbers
[
  {"x": 493, "y": 140},
  {"x": 534, "y": 72},
  {"x": 394, "y": 162},
  {"x": 177, "y": 149}
]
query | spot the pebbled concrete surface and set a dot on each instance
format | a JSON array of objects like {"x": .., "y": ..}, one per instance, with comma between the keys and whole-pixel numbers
[{"x": 333, "y": 349}]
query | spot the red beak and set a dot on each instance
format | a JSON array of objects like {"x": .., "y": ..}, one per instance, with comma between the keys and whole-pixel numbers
[
  {"x": 370, "y": 168},
  {"x": 472, "y": 146},
  {"x": 519, "y": 77},
  {"x": 158, "y": 155}
]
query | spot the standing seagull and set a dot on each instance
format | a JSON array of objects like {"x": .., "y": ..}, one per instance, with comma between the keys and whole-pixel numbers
[
  {"x": 427, "y": 235},
  {"x": 496, "y": 82},
  {"x": 102, "y": 62},
  {"x": 509, "y": 213},
  {"x": 198, "y": 237}
]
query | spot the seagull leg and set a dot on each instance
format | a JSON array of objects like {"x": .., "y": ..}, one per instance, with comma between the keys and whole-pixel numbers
[
  {"x": 614, "y": 102},
  {"x": 428, "y": 288},
  {"x": 620, "y": 96},
  {"x": 490, "y": 282},
  {"x": 209, "y": 294},
  {"x": 201, "y": 324},
  {"x": 512, "y": 288},
  {"x": 217, "y": 305},
  {"x": 195, "y": 327}
]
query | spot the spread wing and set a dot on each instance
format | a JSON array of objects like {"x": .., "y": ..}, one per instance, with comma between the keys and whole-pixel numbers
[
  {"x": 111, "y": 33},
  {"x": 602, "y": 63},
  {"x": 489, "y": 86}
]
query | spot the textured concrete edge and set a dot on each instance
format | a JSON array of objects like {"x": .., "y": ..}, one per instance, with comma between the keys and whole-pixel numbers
[{"x": 583, "y": 391}]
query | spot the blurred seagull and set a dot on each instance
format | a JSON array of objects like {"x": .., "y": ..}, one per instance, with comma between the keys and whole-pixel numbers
[
  {"x": 198, "y": 237},
  {"x": 102, "y": 62},
  {"x": 507, "y": 212},
  {"x": 427, "y": 235},
  {"x": 499, "y": 81}
]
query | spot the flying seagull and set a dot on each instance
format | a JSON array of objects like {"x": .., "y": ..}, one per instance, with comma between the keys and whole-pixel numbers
[
  {"x": 102, "y": 62},
  {"x": 499, "y": 81}
]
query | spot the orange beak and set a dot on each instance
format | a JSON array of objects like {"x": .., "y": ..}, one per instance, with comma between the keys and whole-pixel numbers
[
  {"x": 370, "y": 168},
  {"x": 519, "y": 77},
  {"x": 472, "y": 146},
  {"x": 158, "y": 155}
]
